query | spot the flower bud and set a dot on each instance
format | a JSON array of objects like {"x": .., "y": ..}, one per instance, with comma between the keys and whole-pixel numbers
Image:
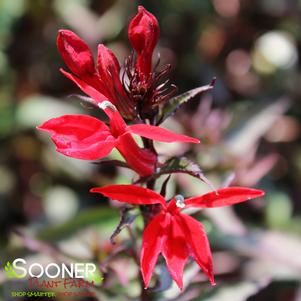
[
  {"x": 143, "y": 34},
  {"x": 76, "y": 53}
]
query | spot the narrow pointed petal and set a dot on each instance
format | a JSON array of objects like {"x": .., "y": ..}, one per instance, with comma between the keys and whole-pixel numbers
[
  {"x": 198, "y": 244},
  {"x": 159, "y": 134},
  {"x": 175, "y": 250},
  {"x": 80, "y": 136},
  {"x": 76, "y": 53},
  {"x": 152, "y": 242},
  {"x": 89, "y": 90},
  {"x": 130, "y": 194},
  {"x": 224, "y": 197},
  {"x": 143, "y": 161}
]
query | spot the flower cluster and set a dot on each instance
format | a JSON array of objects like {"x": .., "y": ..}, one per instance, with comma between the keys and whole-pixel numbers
[{"x": 132, "y": 99}]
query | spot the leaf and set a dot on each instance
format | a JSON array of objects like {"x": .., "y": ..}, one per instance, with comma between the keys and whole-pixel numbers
[
  {"x": 126, "y": 218},
  {"x": 34, "y": 110},
  {"x": 99, "y": 215},
  {"x": 179, "y": 165},
  {"x": 178, "y": 100},
  {"x": 239, "y": 291},
  {"x": 252, "y": 124},
  {"x": 112, "y": 162}
]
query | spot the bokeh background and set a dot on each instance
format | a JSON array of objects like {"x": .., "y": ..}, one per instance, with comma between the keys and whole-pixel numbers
[{"x": 249, "y": 125}]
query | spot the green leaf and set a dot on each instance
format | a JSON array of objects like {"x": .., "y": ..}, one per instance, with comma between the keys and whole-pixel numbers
[
  {"x": 99, "y": 215},
  {"x": 177, "y": 101}
]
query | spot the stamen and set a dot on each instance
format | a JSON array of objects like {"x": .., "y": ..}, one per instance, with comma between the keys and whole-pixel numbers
[
  {"x": 107, "y": 104},
  {"x": 180, "y": 202}
]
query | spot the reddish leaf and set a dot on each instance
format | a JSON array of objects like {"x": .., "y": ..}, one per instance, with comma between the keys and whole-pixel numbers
[
  {"x": 224, "y": 197},
  {"x": 130, "y": 194},
  {"x": 160, "y": 134}
]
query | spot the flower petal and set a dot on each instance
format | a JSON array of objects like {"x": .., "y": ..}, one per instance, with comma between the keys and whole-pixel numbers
[
  {"x": 159, "y": 134},
  {"x": 88, "y": 89},
  {"x": 152, "y": 242},
  {"x": 130, "y": 194},
  {"x": 117, "y": 124},
  {"x": 75, "y": 52},
  {"x": 80, "y": 136},
  {"x": 199, "y": 245},
  {"x": 175, "y": 250},
  {"x": 224, "y": 197},
  {"x": 143, "y": 161}
]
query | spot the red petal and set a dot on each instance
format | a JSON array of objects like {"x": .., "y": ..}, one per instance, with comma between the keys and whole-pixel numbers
[
  {"x": 160, "y": 134},
  {"x": 199, "y": 245},
  {"x": 80, "y": 136},
  {"x": 143, "y": 161},
  {"x": 175, "y": 250},
  {"x": 130, "y": 194},
  {"x": 89, "y": 90},
  {"x": 75, "y": 53},
  {"x": 224, "y": 197},
  {"x": 152, "y": 241},
  {"x": 117, "y": 124}
]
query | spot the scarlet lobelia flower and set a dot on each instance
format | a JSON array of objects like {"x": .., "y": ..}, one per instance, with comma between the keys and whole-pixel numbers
[
  {"x": 173, "y": 234},
  {"x": 85, "y": 137}
]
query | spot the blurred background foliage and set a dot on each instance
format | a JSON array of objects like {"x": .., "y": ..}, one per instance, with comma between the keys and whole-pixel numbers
[{"x": 249, "y": 125}]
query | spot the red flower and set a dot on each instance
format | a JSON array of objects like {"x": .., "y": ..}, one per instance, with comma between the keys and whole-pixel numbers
[
  {"x": 143, "y": 34},
  {"x": 173, "y": 234},
  {"x": 100, "y": 82},
  {"x": 85, "y": 137}
]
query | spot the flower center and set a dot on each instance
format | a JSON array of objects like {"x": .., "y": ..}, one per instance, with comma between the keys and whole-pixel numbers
[{"x": 180, "y": 202}]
